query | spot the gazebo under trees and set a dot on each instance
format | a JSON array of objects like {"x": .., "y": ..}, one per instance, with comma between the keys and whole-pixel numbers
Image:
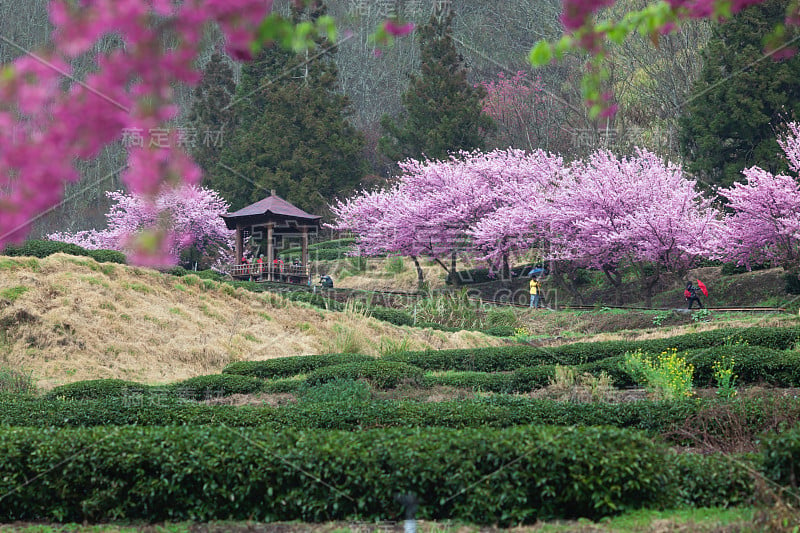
[{"x": 268, "y": 225}]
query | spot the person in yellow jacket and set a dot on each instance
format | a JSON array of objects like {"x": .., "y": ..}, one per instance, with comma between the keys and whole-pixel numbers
[{"x": 536, "y": 292}]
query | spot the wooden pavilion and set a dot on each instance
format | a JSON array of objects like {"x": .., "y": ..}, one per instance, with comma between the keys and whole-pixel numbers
[{"x": 272, "y": 221}]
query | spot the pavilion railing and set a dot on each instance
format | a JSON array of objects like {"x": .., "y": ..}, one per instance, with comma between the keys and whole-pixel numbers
[{"x": 264, "y": 272}]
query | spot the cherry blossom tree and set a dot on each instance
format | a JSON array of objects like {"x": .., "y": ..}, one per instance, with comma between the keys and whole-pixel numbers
[
  {"x": 434, "y": 207},
  {"x": 636, "y": 211},
  {"x": 191, "y": 215},
  {"x": 765, "y": 224}
]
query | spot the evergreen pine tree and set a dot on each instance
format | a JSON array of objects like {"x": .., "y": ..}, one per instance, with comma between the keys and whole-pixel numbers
[
  {"x": 741, "y": 99},
  {"x": 210, "y": 118},
  {"x": 293, "y": 132},
  {"x": 443, "y": 111}
]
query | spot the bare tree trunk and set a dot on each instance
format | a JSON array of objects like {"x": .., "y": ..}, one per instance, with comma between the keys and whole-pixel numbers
[
  {"x": 616, "y": 280},
  {"x": 420, "y": 274}
]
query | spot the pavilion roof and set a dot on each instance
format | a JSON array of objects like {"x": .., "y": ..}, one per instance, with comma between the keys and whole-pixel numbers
[{"x": 270, "y": 208}]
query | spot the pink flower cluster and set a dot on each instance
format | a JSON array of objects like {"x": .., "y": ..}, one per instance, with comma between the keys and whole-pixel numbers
[
  {"x": 603, "y": 212},
  {"x": 765, "y": 226},
  {"x": 599, "y": 212},
  {"x": 183, "y": 217},
  {"x": 48, "y": 119}
]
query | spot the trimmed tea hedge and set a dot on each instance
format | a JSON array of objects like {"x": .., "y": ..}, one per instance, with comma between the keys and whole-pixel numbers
[
  {"x": 214, "y": 386},
  {"x": 43, "y": 248},
  {"x": 165, "y": 409},
  {"x": 715, "y": 480},
  {"x": 97, "y": 389},
  {"x": 379, "y": 374},
  {"x": 153, "y": 474},
  {"x": 108, "y": 256},
  {"x": 393, "y": 316},
  {"x": 513, "y": 357},
  {"x": 752, "y": 364},
  {"x": 781, "y": 457},
  {"x": 284, "y": 367}
]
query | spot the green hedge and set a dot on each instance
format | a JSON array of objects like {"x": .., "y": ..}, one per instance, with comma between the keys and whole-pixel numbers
[
  {"x": 379, "y": 374},
  {"x": 496, "y": 411},
  {"x": 215, "y": 386},
  {"x": 153, "y": 474},
  {"x": 512, "y": 357},
  {"x": 715, "y": 480},
  {"x": 752, "y": 364},
  {"x": 781, "y": 457},
  {"x": 108, "y": 256},
  {"x": 42, "y": 248},
  {"x": 97, "y": 389},
  {"x": 393, "y": 316},
  {"x": 284, "y": 367}
]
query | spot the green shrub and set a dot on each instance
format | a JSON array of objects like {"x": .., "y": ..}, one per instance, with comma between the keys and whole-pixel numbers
[
  {"x": 42, "y": 248},
  {"x": 501, "y": 317},
  {"x": 499, "y": 331},
  {"x": 379, "y": 374},
  {"x": 284, "y": 367},
  {"x": 673, "y": 420},
  {"x": 531, "y": 378},
  {"x": 153, "y": 474},
  {"x": 483, "y": 381},
  {"x": 338, "y": 390},
  {"x": 215, "y": 386},
  {"x": 715, "y": 480},
  {"x": 276, "y": 386},
  {"x": 98, "y": 388},
  {"x": 752, "y": 364},
  {"x": 393, "y": 316},
  {"x": 780, "y": 454},
  {"x": 108, "y": 256},
  {"x": 505, "y": 358}
]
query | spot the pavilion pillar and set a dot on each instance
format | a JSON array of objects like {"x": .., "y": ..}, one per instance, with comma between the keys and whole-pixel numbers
[
  {"x": 304, "y": 253},
  {"x": 238, "y": 247},
  {"x": 270, "y": 253}
]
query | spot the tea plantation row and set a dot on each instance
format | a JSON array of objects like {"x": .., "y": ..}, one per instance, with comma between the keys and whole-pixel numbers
[
  {"x": 502, "y": 476},
  {"x": 657, "y": 418}
]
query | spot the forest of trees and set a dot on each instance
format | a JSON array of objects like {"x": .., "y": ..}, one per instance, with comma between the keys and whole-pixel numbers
[{"x": 313, "y": 132}]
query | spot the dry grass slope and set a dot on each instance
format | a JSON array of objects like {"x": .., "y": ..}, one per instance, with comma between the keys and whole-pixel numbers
[{"x": 68, "y": 318}]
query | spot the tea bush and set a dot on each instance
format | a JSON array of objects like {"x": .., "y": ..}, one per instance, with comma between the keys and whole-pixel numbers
[
  {"x": 284, "y": 367},
  {"x": 393, "y": 316},
  {"x": 153, "y": 474},
  {"x": 497, "y": 359},
  {"x": 380, "y": 374},
  {"x": 108, "y": 256},
  {"x": 97, "y": 389},
  {"x": 214, "y": 386},
  {"x": 780, "y": 454},
  {"x": 43, "y": 248}
]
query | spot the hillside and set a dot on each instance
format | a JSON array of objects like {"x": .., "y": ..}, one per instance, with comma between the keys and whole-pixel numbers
[{"x": 67, "y": 318}]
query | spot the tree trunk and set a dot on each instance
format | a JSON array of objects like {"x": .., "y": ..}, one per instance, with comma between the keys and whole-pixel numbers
[
  {"x": 420, "y": 274},
  {"x": 505, "y": 273},
  {"x": 616, "y": 280}
]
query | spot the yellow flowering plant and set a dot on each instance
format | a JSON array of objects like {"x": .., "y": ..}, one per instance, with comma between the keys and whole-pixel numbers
[
  {"x": 666, "y": 376},
  {"x": 726, "y": 379}
]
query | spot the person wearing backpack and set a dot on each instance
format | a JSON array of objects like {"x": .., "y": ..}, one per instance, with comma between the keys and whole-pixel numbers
[{"x": 690, "y": 293}]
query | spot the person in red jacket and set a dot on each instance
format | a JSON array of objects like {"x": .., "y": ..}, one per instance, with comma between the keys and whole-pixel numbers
[{"x": 690, "y": 293}]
